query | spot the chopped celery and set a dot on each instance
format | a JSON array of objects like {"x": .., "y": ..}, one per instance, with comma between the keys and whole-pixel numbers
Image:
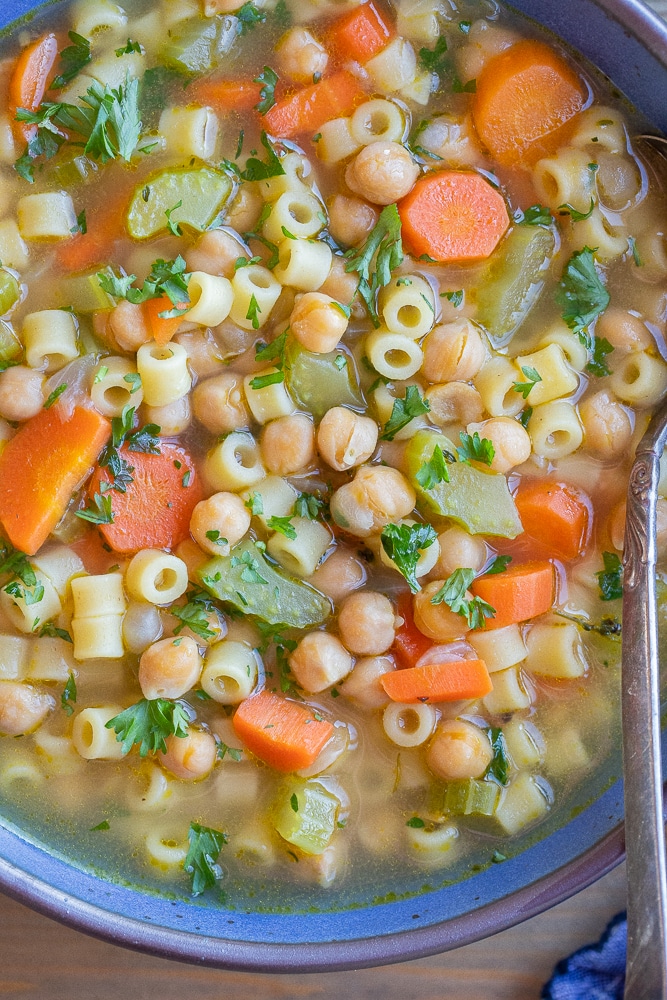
[
  {"x": 468, "y": 797},
  {"x": 10, "y": 345},
  {"x": 253, "y": 586},
  {"x": 74, "y": 170},
  {"x": 306, "y": 816},
  {"x": 10, "y": 291},
  {"x": 480, "y": 501},
  {"x": 198, "y": 44},
  {"x": 201, "y": 191},
  {"x": 83, "y": 293},
  {"x": 318, "y": 381},
  {"x": 513, "y": 280}
]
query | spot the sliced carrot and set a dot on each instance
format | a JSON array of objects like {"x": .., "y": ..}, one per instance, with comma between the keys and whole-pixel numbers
[
  {"x": 227, "y": 95},
  {"x": 453, "y": 215},
  {"x": 104, "y": 227},
  {"x": 520, "y": 593},
  {"x": 155, "y": 510},
  {"x": 90, "y": 548},
  {"x": 556, "y": 515},
  {"x": 308, "y": 109},
  {"x": 286, "y": 735},
  {"x": 410, "y": 644},
  {"x": 434, "y": 682},
  {"x": 523, "y": 97},
  {"x": 30, "y": 79},
  {"x": 163, "y": 328},
  {"x": 361, "y": 34},
  {"x": 41, "y": 467}
]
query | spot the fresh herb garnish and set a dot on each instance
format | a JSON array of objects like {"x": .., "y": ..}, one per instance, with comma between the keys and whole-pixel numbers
[
  {"x": 532, "y": 377},
  {"x": 55, "y": 395},
  {"x": 456, "y": 298},
  {"x": 167, "y": 277},
  {"x": 256, "y": 170},
  {"x": 500, "y": 765},
  {"x": 254, "y": 310},
  {"x": 435, "y": 60},
  {"x": 384, "y": 247},
  {"x": 434, "y": 471},
  {"x": 255, "y": 504},
  {"x": 536, "y": 215},
  {"x": 581, "y": 295},
  {"x": 194, "y": 614},
  {"x": 475, "y": 449},
  {"x": 104, "y": 825},
  {"x": 201, "y": 860},
  {"x": 283, "y": 525},
  {"x": 214, "y": 536},
  {"x": 248, "y": 17},
  {"x": 610, "y": 579},
  {"x": 149, "y": 723},
  {"x": 403, "y": 411},
  {"x": 268, "y": 79},
  {"x": 576, "y": 216},
  {"x": 609, "y": 627},
  {"x": 453, "y": 594},
  {"x": 172, "y": 226},
  {"x": 499, "y": 565},
  {"x": 98, "y": 510},
  {"x": 416, "y": 823},
  {"x": 72, "y": 60},
  {"x": 233, "y": 752},
  {"x": 294, "y": 802},
  {"x": 250, "y": 572},
  {"x": 130, "y": 47},
  {"x": 404, "y": 544},
  {"x": 308, "y": 505},
  {"x": 68, "y": 696},
  {"x": 600, "y": 348},
  {"x": 51, "y": 631}
]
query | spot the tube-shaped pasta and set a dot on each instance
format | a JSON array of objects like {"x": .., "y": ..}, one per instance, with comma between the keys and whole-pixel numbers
[
  {"x": 565, "y": 179},
  {"x": 88, "y": 20},
  {"x": 99, "y": 638},
  {"x": 303, "y": 264},
  {"x": 555, "y": 651},
  {"x": 50, "y": 338},
  {"x": 153, "y": 792},
  {"x": 253, "y": 846},
  {"x": 408, "y": 725},
  {"x": 300, "y": 555},
  {"x": 600, "y": 128},
  {"x": 20, "y": 772},
  {"x": 211, "y": 298},
  {"x": 156, "y": 576},
  {"x": 336, "y": 142},
  {"x": 235, "y": 463},
  {"x": 230, "y": 672},
  {"x": 190, "y": 131},
  {"x": 393, "y": 355},
  {"x": 433, "y": 846},
  {"x": 90, "y": 736},
  {"x": 555, "y": 429},
  {"x": 596, "y": 231},
  {"x": 495, "y": 383},
  {"x": 256, "y": 292},
  {"x": 164, "y": 372},
  {"x": 51, "y": 659},
  {"x": 639, "y": 378},
  {"x": 509, "y": 693},
  {"x": 377, "y": 121},
  {"x": 524, "y": 802},
  {"x": 524, "y": 742},
  {"x": 296, "y": 169},
  {"x": 14, "y": 651},
  {"x": 166, "y": 847},
  {"x": 407, "y": 306},
  {"x": 268, "y": 401},
  {"x": 556, "y": 377},
  {"x": 394, "y": 67},
  {"x": 59, "y": 563},
  {"x": 112, "y": 390},
  {"x": 7, "y": 144},
  {"x": 46, "y": 216},
  {"x": 575, "y": 352},
  {"x": 98, "y": 595},
  {"x": 299, "y": 212},
  {"x": 21, "y": 608},
  {"x": 500, "y": 648},
  {"x": 13, "y": 248},
  {"x": 276, "y": 498}
]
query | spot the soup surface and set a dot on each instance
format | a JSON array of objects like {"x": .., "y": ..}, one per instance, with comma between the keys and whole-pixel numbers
[{"x": 328, "y": 333}]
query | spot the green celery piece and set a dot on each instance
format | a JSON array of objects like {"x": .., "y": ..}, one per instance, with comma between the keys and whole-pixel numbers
[
  {"x": 73, "y": 170},
  {"x": 10, "y": 291},
  {"x": 83, "y": 293},
  {"x": 311, "y": 825},
  {"x": 10, "y": 345},
  {"x": 197, "y": 45},
  {"x": 202, "y": 191},
  {"x": 479, "y": 501},
  {"x": 282, "y": 600},
  {"x": 513, "y": 281},
  {"x": 471, "y": 797},
  {"x": 317, "y": 383}
]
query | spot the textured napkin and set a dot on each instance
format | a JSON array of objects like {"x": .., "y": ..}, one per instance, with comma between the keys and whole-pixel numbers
[{"x": 596, "y": 972}]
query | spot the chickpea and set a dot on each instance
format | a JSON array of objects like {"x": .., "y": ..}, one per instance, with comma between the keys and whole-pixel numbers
[
  {"x": 244, "y": 212},
  {"x": 172, "y": 419},
  {"x": 350, "y": 219},
  {"x": 459, "y": 548},
  {"x": 624, "y": 331},
  {"x": 319, "y": 661},
  {"x": 300, "y": 55},
  {"x": 382, "y": 172},
  {"x": 363, "y": 684},
  {"x": 607, "y": 426},
  {"x": 215, "y": 252},
  {"x": 288, "y": 445},
  {"x": 458, "y": 751},
  {"x": 453, "y": 352},
  {"x": 454, "y": 403},
  {"x": 224, "y": 513},
  {"x": 169, "y": 668},
  {"x": 367, "y": 623},
  {"x": 190, "y": 757},
  {"x": 453, "y": 139},
  {"x": 341, "y": 285},
  {"x": 204, "y": 356},
  {"x": 219, "y": 403},
  {"x": 339, "y": 575},
  {"x": 128, "y": 327},
  {"x": 345, "y": 439},
  {"x": 21, "y": 393},
  {"x": 436, "y": 620},
  {"x": 511, "y": 442},
  {"x": 318, "y": 322},
  {"x": 377, "y": 496},
  {"x": 22, "y": 708},
  {"x": 192, "y": 556}
]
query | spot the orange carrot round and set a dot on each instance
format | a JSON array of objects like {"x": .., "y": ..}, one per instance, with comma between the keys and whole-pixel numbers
[
  {"x": 453, "y": 215},
  {"x": 524, "y": 95},
  {"x": 556, "y": 515},
  {"x": 286, "y": 735},
  {"x": 361, "y": 34},
  {"x": 309, "y": 108},
  {"x": 163, "y": 328},
  {"x": 30, "y": 78},
  {"x": 155, "y": 510},
  {"x": 519, "y": 593},
  {"x": 435, "y": 682}
]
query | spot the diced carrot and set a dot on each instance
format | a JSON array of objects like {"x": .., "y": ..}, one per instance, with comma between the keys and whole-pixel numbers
[
  {"x": 163, "y": 328},
  {"x": 227, "y": 95},
  {"x": 523, "y": 97},
  {"x": 104, "y": 226},
  {"x": 155, "y": 510},
  {"x": 286, "y": 735},
  {"x": 41, "y": 467},
  {"x": 518, "y": 594},
  {"x": 453, "y": 215},
  {"x": 309, "y": 108},
  {"x": 410, "y": 644},
  {"x": 556, "y": 515},
  {"x": 91, "y": 550},
  {"x": 30, "y": 78},
  {"x": 434, "y": 682},
  {"x": 361, "y": 34}
]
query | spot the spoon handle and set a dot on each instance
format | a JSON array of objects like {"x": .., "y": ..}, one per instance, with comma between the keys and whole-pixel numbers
[{"x": 646, "y": 970}]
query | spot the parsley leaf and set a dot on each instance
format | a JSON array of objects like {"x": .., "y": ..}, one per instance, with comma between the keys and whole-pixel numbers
[
  {"x": 609, "y": 627},
  {"x": 201, "y": 860},
  {"x": 250, "y": 572},
  {"x": 500, "y": 764},
  {"x": 98, "y": 510},
  {"x": 434, "y": 59},
  {"x": 456, "y": 298},
  {"x": 283, "y": 525},
  {"x": 255, "y": 504},
  {"x": 452, "y": 593},
  {"x": 403, "y": 411},
  {"x": 129, "y": 48},
  {"x": 50, "y": 630},
  {"x": 55, "y": 395},
  {"x": 167, "y": 277},
  {"x": 499, "y": 565},
  {"x": 72, "y": 60},
  {"x": 68, "y": 696},
  {"x": 416, "y": 823},
  {"x": 308, "y": 505},
  {"x": 610, "y": 579},
  {"x": 598, "y": 364},
  {"x": 256, "y": 170},
  {"x": 536, "y": 215},
  {"x": 576, "y": 216},
  {"x": 476, "y": 449},
  {"x": 194, "y": 614},
  {"x": 434, "y": 471},
  {"x": 404, "y": 544},
  {"x": 271, "y": 378},
  {"x": 214, "y": 536},
  {"x": 172, "y": 226},
  {"x": 254, "y": 310},
  {"x": 532, "y": 376},
  {"x": 235, "y": 753},
  {"x": 581, "y": 295},
  {"x": 149, "y": 723},
  {"x": 268, "y": 79},
  {"x": 249, "y": 16},
  {"x": 632, "y": 245},
  {"x": 384, "y": 245}
]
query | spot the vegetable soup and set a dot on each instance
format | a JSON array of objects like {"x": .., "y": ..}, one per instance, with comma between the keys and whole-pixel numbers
[{"x": 328, "y": 333}]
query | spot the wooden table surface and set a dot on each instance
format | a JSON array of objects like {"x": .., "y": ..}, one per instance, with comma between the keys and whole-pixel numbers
[{"x": 41, "y": 959}]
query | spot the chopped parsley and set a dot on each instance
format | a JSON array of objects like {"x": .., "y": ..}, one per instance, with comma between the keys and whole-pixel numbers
[
  {"x": 476, "y": 449},
  {"x": 384, "y": 247},
  {"x": 148, "y": 724},
  {"x": 256, "y": 170},
  {"x": 253, "y": 315},
  {"x": 499, "y": 565},
  {"x": 104, "y": 825},
  {"x": 214, "y": 536},
  {"x": 283, "y": 525},
  {"x": 130, "y": 47},
  {"x": 434, "y": 471},
  {"x": 435, "y": 60},
  {"x": 294, "y": 802},
  {"x": 51, "y": 631},
  {"x": 581, "y": 295},
  {"x": 98, "y": 510},
  {"x": 55, "y": 395},
  {"x": 249, "y": 17},
  {"x": 404, "y": 544},
  {"x": 72, "y": 60},
  {"x": 500, "y": 765},
  {"x": 416, "y": 823},
  {"x": 172, "y": 226},
  {"x": 532, "y": 377},
  {"x": 235, "y": 753},
  {"x": 453, "y": 594},
  {"x": 255, "y": 504},
  {"x": 308, "y": 505},
  {"x": 536, "y": 215},
  {"x": 632, "y": 245},
  {"x": 68, "y": 696},
  {"x": 456, "y": 298},
  {"x": 600, "y": 348},
  {"x": 167, "y": 277},
  {"x": 403, "y": 411},
  {"x": 250, "y": 572},
  {"x": 133, "y": 379},
  {"x": 268, "y": 79},
  {"x": 610, "y": 579},
  {"x": 201, "y": 860},
  {"x": 576, "y": 216},
  {"x": 194, "y": 614}
]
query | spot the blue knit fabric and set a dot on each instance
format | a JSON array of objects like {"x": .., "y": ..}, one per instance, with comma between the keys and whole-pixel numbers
[{"x": 596, "y": 972}]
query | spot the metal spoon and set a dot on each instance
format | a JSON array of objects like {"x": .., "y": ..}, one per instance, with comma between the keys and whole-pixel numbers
[{"x": 646, "y": 969}]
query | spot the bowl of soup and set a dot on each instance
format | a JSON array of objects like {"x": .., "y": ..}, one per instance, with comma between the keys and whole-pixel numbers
[{"x": 327, "y": 334}]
